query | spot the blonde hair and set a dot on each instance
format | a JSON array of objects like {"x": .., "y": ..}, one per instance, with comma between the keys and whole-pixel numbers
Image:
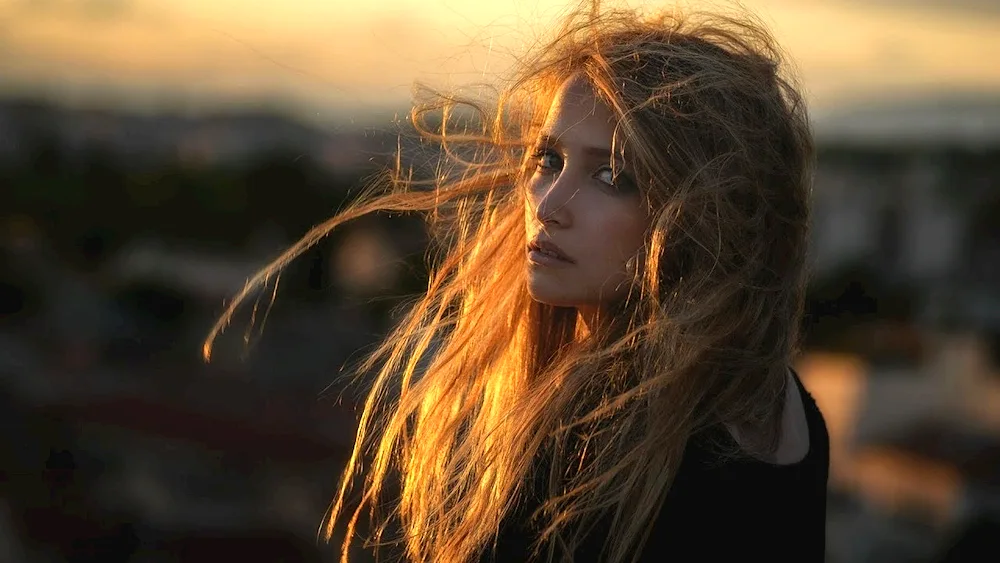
[{"x": 479, "y": 385}]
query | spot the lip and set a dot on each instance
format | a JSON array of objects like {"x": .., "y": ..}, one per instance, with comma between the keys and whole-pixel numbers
[{"x": 544, "y": 251}]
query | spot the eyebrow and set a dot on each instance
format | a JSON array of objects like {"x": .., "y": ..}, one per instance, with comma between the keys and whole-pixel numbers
[{"x": 548, "y": 140}]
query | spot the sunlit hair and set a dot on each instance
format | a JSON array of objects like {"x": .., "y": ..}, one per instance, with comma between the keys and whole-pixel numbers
[{"x": 479, "y": 385}]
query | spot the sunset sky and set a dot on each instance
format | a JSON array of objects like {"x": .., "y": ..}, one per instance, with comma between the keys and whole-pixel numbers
[{"x": 339, "y": 56}]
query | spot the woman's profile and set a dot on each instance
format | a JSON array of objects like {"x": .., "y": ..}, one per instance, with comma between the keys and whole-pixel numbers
[{"x": 599, "y": 369}]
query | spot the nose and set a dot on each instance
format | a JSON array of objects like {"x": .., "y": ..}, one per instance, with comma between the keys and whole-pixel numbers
[{"x": 552, "y": 201}]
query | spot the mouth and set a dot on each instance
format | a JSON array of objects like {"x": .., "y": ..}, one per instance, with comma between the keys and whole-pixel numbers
[{"x": 543, "y": 250}]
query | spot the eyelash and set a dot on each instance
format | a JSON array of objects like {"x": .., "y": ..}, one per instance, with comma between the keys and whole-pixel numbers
[{"x": 539, "y": 154}]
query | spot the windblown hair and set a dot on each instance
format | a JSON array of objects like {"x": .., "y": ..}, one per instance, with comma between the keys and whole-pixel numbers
[{"x": 479, "y": 385}]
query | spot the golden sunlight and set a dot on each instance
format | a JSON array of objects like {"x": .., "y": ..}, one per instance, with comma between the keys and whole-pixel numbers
[{"x": 327, "y": 53}]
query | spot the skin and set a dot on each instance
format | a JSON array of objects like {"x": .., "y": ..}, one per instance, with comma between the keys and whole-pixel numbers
[{"x": 575, "y": 200}]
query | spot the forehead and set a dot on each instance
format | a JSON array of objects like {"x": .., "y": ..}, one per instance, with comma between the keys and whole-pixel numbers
[{"x": 576, "y": 114}]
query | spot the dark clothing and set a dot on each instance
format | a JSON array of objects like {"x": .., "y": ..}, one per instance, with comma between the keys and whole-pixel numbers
[{"x": 732, "y": 510}]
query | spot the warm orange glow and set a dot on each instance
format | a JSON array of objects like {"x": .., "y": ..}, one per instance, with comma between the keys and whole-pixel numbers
[
  {"x": 837, "y": 383},
  {"x": 898, "y": 482},
  {"x": 357, "y": 54}
]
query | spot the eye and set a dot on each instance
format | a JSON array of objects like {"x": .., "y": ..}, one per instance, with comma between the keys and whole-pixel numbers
[
  {"x": 607, "y": 176},
  {"x": 547, "y": 160},
  {"x": 619, "y": 182}
]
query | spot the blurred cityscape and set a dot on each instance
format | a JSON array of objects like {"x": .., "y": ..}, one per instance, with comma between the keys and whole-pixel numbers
[{"x": 122, "y": 236}]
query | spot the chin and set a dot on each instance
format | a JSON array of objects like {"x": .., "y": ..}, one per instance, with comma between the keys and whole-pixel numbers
[{"x": 550, "y": 292}]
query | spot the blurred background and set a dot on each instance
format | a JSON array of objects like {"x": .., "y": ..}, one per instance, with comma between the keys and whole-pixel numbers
[{"x": 155, "y": 153}]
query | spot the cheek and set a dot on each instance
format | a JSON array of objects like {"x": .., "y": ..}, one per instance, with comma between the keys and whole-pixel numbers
[
  {"x": 528, "y": 201},
  {"x": 623, "y": 235}
]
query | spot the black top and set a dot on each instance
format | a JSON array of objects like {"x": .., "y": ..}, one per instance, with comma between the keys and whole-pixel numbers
[{"x": 737, "y": 509}]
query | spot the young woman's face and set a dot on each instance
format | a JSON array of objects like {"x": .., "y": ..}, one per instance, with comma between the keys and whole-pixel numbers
[{"x": 584, "y": 224}]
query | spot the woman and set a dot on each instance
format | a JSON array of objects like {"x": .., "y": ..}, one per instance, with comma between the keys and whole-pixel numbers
[{"x": 599, "y": 369}]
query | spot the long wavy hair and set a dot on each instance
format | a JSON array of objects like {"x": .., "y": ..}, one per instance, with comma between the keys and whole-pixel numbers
[{"x": 479, "y": 386}]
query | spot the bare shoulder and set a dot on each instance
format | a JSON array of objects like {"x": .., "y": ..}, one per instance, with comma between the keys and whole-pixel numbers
[
  {"x": 793, "y": 446},
  {"x": 793, "y": 443}
]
